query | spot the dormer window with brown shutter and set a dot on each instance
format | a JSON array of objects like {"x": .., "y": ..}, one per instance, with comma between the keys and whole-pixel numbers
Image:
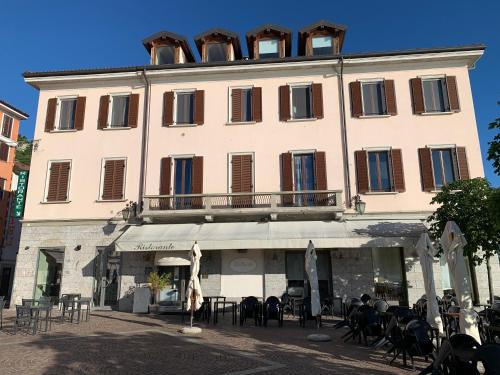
[
  {"x": 435, "y": 94},
  {"x": 168, "y": 48},
  {"x": 57, "y": 183},
  {"x": 113, "y": 179},
  {"x": 269, "y": 41},
  {"x": 373, "y": 97},
  {"x": 322, "y": 38},
  {"x": 218, "y": 45},
  {"x": 245, "y": 104}
]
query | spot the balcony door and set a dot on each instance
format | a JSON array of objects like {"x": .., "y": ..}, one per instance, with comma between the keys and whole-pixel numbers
[
  {"x": 304, "y": 178},
  {"x": 183, "y": 181}
]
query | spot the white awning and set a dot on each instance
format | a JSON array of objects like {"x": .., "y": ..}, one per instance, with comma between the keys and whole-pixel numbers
[
  {"x": 271, "y": 235},
  {"x": 172, "y": 258}
]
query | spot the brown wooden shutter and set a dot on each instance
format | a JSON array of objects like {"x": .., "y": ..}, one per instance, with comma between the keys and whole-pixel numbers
[
  {"x": 236, "y": 114},
  {"x": 51, "y": 114},
  {"x": 80, "y": 112},
  {"x": 114, "y": 179},
  {"x": 102, "y": 121},
  {"x": 168, "y": 108},
  {"x": 4, "y": 152},
  {"x": 133, "y": 110},
  {"x": 58, "y": 182},
  {"x": 284, "y": 103},
  {"x": 286, "y": 178},
  {"x": 451, "y": 84},
  {"x": 317, "y": 100},
  {"x": 390, "y": 97},
  {"x": 197, "y": 181},
  {"x": 241, "y": 179},
  {"x": 362, "y": 171},
  {"x": 257, "y": 104},
  {"x": 417, "y": 95},
  {"x": 463, "y": 167},
  {"x": 426, "y": 169},
  {"x": 356, "y": 101},
  {"x": 165, "y": 175},
  {"x": 398, "y": 178},
  {"x": 199, "y": 107},
  {"x": 320, "y": 181}
]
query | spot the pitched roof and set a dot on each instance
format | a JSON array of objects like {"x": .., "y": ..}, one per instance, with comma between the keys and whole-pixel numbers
[
  {"x": 198, "y": 39},
  {"x": 169, "y": 35},
  {"x": 18, "y": 112},
  {"x": 320, "y": 25},
  {"x": 250, "y": 36}
]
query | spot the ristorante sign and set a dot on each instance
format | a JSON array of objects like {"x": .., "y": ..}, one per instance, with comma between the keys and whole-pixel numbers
[
  {"x": 151, "y": 246},
  {"x": 22, "y": 183}
]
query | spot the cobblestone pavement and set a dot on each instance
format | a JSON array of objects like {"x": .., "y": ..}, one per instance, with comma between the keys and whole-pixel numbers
[{"x": 123, "y": 343}]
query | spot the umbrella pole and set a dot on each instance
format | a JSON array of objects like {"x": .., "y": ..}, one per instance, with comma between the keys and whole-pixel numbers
[{"x": 192, "y": 308}]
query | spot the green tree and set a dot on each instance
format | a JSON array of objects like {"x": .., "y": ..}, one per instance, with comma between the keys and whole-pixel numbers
[
  {"x": 157, "y": 282},
  {"x": 23, "y": 150},
  {"x": 471, "y": 204},
  {"x": 494, "y": 146}
]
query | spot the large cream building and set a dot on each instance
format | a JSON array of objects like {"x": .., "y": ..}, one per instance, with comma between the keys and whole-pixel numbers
[{"x": 252, "y": 157}]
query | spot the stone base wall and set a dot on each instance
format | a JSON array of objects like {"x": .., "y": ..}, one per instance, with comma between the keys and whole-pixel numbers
[
  {"x": 275, "y": 273},
  {"x": 210, "y": 270}
]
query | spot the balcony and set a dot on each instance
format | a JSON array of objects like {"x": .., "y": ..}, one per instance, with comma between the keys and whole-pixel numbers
[{"x": 306, "y": 205}]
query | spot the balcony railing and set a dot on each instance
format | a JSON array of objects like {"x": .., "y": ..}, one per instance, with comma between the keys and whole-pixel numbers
[{"x": 232, "y": 203}]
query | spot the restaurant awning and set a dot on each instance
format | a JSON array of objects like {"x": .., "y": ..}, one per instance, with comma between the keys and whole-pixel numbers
[{"x": 271, "y": 235}]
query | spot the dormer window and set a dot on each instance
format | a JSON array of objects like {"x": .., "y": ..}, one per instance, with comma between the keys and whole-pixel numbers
[
  {"x": 216, "y": 52},
  {"x": 269, "y": 48},
  {"x": 322, "y": 45},
  {"x": 165, "y": 55}
]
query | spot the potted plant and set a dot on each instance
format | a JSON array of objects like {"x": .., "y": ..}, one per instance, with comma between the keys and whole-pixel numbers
[{"x": 156, "y": 283}]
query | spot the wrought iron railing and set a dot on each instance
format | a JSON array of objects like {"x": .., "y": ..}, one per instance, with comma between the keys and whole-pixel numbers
[{"x": 230, "y": 201}]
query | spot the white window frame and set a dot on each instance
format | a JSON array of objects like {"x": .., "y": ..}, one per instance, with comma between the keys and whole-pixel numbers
[
  {"x": 173, "y": 158},
  {"x": 301, "y": 84},
  {"x": 216, "y": 42},
  {"x": 265, "y": 39},
  {"x": 230, "y": 169},
  {"x": 156, "y": 48},
  {"x": 101, "y": 183},
  {"x": 110, "y": 111},
  {"x": 452, "y": 147},
  {"x": 372, "y": 80},
  {"x": 182, "y": 91},
  {"x": 230, "y": 105},
  {"x": 47, "y": 180},
  {"x": 391, "y": 173},
  {"x": 321, "y": 36},
  {"x": 431, "y": 78},
  {"x": 296, "y": 153},
  {"x": 58, "y": 113}
]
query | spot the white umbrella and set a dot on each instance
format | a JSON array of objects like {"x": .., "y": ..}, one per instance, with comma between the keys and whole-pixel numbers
[
  {"x": 453, "y": 242},
  {"x": 312, "y": 274},
  {"x": 194, "y": 289},
  {"x": 426, "y": 254}
]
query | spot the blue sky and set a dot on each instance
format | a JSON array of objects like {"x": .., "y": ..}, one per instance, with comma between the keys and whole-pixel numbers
[{"x": 60, "y": 34}]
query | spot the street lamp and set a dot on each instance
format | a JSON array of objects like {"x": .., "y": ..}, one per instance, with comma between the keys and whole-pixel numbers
[
  {"x": 130, "y": 211},
  {"x": 359, "y": 205}
]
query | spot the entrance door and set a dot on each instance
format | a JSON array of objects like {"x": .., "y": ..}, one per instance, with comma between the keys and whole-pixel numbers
[
  {"x": 174, "y": 293},
  {"x": 49, "y": 273},
  {"x": 106, "y": 278}
]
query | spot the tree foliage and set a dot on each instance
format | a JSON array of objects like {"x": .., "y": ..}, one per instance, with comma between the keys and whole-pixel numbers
[
  {"x": 473, "y": 205},
  {"x": 494, "y": 146},
  {"x": 24, "y": 149}
]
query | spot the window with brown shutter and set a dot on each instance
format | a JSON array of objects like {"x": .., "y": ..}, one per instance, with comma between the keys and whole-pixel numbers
[
  {"x": 236, "y": 113},
  {"x": 257, "y": 104},
  {"x": 57, "y": 185},
  {"x": 4, "y": 152},
  {"x": 168, "y": 108},
  {"x": 320, "y": 181},
  {"x": 7, "y": 126},
  {"x": 80, "y": 112},
  {"x": 398, "y": 178},
  {"x": 286, "y": 178},
  {"x": 426, "y": 169},
  {"x": 102, "y": 120},
  {"x": 356, "y": 101},
  {"x": 390, "y": 97},
  {"x": 199, "y": 107},
  {"x": 133, "y": 110},
  {"x": 362, "y": 171},
  {"x": 451, "y": 85},
  {"x": 417, "y": 96},
  {"x": 113, "y": 179},
  {"x": 51, "y": 114},
  {"x": 317, "y": 100},
  {"x": 284, "y": 94},
  {"x": 197, "y": 184},
  {"x": 165, "y": 181},
  {"x": 463, "y": 166},
  {"x": 241, "y": 179}
]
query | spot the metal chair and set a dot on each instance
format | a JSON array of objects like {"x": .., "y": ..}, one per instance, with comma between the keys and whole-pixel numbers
[
  {"x": 25, "y": 319},
  {"x": 2, "y": 305},
  {"x": 250, "y": 308},
  {"x": 273, "y": 309}
]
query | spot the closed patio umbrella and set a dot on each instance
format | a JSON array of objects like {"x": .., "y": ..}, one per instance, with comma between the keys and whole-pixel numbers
[
  {"x": 453, "y": 242},
  {"x": 195, "y": 297},
  {"x": 426, "y": 254},
  {"x": 312, "y": 275}
]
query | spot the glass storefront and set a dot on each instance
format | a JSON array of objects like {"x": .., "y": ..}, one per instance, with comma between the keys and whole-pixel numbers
[
  {"x": 388, "y": 273},
  {"x": 296, "y": 276},
  {"x": 49, "y": 273},
  {"x": 106, "y": 278}
]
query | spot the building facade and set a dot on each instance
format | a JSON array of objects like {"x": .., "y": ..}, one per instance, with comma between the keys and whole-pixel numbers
[
  {"x": 252, "y": 157},
  {"x": 10, "y": 119}
]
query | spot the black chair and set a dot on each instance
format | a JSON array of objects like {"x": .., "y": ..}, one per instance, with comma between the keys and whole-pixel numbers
[
  {"x": 417, "y": 340},
  {"x": 451, "y": 324},
  {"x": 366, "y": 298},
  {"x": 350, "y": 309},
  {"x": 489, "y": 356},
  {"x": 25, "y": 319},
  {"x": 273, "y": 309},
  {"x": 305, "y": 313},
  {"x": 369, "y": 323},
  {"x": 69, "y": 306},
  {"x": 457, "y": 354},
  {"x": 288, "y": 305},
  {"x": 250, "y": 308}
]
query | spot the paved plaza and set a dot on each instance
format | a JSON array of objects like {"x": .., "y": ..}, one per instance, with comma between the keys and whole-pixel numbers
[{"x": 123, "y": 343}]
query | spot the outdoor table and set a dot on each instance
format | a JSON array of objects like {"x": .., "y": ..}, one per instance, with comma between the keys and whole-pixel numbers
[
  {"x": 204, "y": 303},
  {"x": 224, "y": 303},
  {"x": 216, "y": 298}
]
